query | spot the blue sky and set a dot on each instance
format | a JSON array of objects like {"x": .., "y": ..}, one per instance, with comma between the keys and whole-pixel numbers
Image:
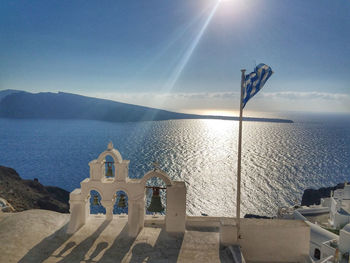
[{"x": 182, "y": 55}]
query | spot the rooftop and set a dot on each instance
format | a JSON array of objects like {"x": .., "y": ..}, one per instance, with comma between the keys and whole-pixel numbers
[
  {"x": 100, "y": 241},
  {"x": 40, "y": 236},
  {"x": 345, "y": 206}
]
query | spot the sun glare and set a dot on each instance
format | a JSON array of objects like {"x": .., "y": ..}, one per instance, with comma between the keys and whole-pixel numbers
[
  {"x": 228, "y": 113},
  {"x": 228, "y": 1},
  {"x": 233, "y": 8}
]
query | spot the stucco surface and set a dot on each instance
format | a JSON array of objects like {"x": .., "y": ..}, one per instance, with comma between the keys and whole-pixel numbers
[
  {"x": 20, "y": 232},
  {"x": 40, "y": 236}
]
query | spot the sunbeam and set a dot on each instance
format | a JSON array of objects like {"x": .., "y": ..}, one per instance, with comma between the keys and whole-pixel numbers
[{"x": 186, "y": 57}]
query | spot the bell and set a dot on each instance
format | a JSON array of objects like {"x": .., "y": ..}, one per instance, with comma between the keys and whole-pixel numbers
[
  {"x": 109, "y": 170},
  {"x": 156, "y": 203},
  {"x": 121, "y": 202},
  {"x": 95, "y": 201}
]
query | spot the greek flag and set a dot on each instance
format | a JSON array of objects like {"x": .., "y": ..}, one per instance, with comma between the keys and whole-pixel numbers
[{"x": 254, "y": 82}]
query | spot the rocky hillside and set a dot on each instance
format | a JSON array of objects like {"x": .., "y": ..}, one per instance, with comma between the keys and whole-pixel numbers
[
  {"x": 31, "y": 194},
  {"x": 313, "y": 196}
]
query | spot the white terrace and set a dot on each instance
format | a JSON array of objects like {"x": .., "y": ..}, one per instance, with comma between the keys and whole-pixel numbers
[{"x": 201, "y": 237}]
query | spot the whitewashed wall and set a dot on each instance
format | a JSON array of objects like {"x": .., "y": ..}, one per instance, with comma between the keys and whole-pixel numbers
[{"x": 275, "y": 240}]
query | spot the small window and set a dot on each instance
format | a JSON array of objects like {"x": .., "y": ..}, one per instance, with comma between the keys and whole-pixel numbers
[{"x": 317, "y": 253}]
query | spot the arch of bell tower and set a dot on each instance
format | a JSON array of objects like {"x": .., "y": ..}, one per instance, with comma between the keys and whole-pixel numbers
[
  {"x": 121, "y": 167},
  {"x": 135, "y": 190}
]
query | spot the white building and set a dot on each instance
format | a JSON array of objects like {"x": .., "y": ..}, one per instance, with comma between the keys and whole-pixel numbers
[
  {"x": 339, "y": 205},
  {"x": 326, "y": 246}
]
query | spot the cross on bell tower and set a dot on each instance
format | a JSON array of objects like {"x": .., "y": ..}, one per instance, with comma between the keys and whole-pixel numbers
[{"x": 155, "y": 166}]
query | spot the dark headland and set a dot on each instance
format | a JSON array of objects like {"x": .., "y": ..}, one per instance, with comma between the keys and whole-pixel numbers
[
  {"x": 313, "y": 196},
  {"x": 46, "y": 105},
  {"x": 31, "y": 194}
]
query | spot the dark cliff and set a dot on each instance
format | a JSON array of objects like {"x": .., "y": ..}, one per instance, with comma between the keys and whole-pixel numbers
[
  {"x": 313, "y": 196},
  {"x": 29, "y": 194}
]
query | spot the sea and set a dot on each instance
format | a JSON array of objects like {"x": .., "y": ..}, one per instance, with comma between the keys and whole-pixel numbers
[{"x": 279, "y": 160}]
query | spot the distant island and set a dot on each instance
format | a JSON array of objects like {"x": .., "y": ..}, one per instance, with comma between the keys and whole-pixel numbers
[{"x": 46, "y": 105}]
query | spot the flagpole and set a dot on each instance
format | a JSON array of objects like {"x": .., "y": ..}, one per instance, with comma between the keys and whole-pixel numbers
[{"x": 238, "y": 200}]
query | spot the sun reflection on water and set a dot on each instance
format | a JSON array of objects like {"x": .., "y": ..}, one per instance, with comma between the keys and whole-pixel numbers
[{"x": 279, "y": 160}]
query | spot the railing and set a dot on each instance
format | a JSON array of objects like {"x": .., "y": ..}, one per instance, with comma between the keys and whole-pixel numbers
[{"x": 329, "y": 259}]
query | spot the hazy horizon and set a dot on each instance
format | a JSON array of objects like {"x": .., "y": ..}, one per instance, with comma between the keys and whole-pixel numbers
[{"x": 231, "y": 113}]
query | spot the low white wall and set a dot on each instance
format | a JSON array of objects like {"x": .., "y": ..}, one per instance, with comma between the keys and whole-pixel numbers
[
  {"x": 344, "y": 241},
  {"x": 314, "y": 210},
  {"x": 327, "y": 250},
  {"x": 274, "y": 240},
  {"x": 340, "y": 220},
  {"x": 326, "y": 260},
  {"x": 326, "y": 202},
  {"x": 203, "y": 221},
  {"x": 298, "y": 216},
  {"x": 228, "y": 231}
]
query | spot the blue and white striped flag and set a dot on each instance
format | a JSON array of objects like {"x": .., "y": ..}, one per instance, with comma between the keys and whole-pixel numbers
[{"x": 255, "y": 81}]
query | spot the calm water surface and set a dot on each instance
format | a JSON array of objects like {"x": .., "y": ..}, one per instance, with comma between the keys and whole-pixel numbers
[{"x": 279, "y": 160}]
